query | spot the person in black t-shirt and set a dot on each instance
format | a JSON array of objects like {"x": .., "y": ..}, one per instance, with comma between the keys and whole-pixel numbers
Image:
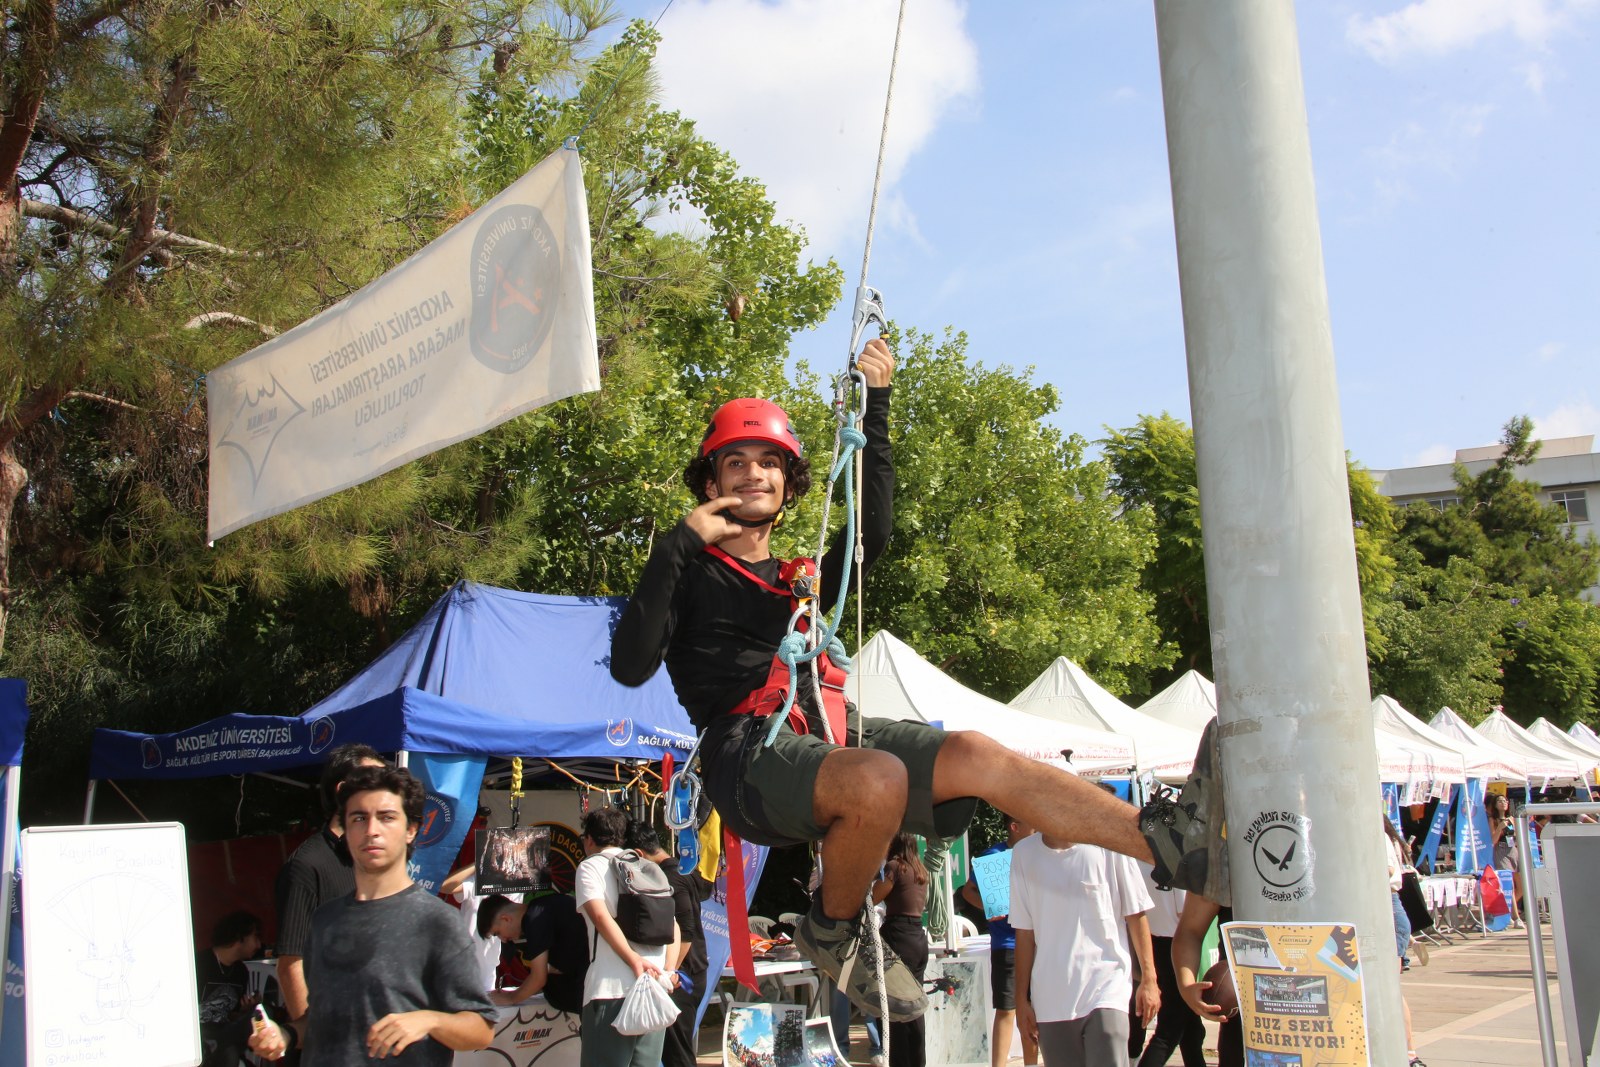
[
  {"x": 553, "y": 943},
  {"x": 679, "y": 1049},
  {"x": 389, "y": 967},
  {"x": 222, "y": 980},
  {"x": 319, "y": 871},
  {"x": 714, "y": 605}
]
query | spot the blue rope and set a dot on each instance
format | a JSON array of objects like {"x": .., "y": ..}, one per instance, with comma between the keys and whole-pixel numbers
[{"x": 792, "y": 650}]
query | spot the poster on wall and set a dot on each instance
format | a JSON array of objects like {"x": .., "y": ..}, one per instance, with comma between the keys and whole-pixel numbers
[
  {"x": 513, "y": 859},
  {"x": 1300, "y": 993}
]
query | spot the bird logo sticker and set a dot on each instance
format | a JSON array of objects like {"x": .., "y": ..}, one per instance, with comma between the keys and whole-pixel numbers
[{"x": 1280, "y": 844}]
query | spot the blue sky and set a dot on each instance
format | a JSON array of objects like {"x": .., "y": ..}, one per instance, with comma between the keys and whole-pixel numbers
[{"x": 1027, "y": 199}]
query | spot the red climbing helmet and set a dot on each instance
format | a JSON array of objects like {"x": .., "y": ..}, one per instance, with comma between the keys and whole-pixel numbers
[{"x": 749, "y": 419}]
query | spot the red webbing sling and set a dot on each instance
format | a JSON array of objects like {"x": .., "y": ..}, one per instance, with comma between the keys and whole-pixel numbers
[{"x": 761, "y": 702}]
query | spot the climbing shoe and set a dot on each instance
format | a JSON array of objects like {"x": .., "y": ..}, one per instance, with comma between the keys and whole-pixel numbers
[
  {"x": 843, "y": 950},
  {"x": 1186, "y": 831}
]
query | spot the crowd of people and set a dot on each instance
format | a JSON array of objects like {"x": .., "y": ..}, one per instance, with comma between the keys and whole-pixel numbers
[{"x": 370, "y": 965}]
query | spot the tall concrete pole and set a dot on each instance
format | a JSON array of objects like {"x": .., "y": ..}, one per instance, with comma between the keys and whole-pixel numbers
[{"x": 1298, "y": 750}]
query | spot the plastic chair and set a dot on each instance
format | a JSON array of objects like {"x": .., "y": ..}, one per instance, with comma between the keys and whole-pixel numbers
[{"x": 760, "y": 925}]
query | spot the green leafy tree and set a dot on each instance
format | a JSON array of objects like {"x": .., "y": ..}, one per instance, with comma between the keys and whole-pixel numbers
[
  {"x": 1487, "y": 607},
  {"x": 1521, "y": 540},
  {"x": 1153, "y": 465},
  {"x": 179, "y": 181},
  {"x": 129, "y": 620},
  {"x": 1008, "y": 549}
]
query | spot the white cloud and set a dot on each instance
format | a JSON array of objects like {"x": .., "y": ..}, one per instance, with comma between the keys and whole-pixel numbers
[
  {"x": 1548, "y": 351},
  {"x": 794, "y": 90},
  {"x": 1569, "y": 420},
  {"x": 1438, "y": 27},
  {"x": 1533, "y": 76},
  {"x": 1430, "y": 456}
]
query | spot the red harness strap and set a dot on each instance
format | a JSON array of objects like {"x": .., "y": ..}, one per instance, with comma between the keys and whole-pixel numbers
[
  {"x": 761, "y": 703},
  {"x": 769, "y": 697}
]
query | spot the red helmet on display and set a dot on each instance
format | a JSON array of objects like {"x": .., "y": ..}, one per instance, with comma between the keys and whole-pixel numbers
[{"x": 749, "y": 419}]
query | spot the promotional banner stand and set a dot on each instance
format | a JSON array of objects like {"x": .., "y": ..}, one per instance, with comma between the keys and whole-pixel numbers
[{"x": 1294, "y": 710}]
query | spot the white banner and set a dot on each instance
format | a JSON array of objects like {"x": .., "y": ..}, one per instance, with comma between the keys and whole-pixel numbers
[{"x": 492, "y": 319}]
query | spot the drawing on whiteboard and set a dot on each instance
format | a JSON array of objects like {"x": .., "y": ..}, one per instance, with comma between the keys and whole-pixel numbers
[{"x": 108, "y": 913}]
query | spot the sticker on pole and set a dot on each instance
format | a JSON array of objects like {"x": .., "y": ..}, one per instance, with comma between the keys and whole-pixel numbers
[
  {"x": 1300, "y": 993},
  {"x": 1280, "y": 845}
]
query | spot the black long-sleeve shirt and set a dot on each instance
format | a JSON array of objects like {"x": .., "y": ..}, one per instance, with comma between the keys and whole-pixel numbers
[{"x": 716, "y": 630}]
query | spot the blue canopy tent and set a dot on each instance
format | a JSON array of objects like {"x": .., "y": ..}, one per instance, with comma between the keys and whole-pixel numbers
[{"x": 487, "y": 671}]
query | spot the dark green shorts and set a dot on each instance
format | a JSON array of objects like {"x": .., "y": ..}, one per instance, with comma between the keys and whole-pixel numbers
[{"x": 765, "y": 794}]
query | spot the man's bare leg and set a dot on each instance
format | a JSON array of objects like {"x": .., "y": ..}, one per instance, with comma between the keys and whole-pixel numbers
[
  {"x": 860, "y": 799},
  {"x": 1060, "y": 804}
]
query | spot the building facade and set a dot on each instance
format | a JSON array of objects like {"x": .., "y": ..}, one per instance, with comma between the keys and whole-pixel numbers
[{"x": 1567, "y": 472}]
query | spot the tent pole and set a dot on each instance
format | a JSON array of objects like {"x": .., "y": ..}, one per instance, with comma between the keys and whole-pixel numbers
[
  {"x": 8, "y": 865},
  {"x": 1530, "y": 920},
  {"x": 88, "y": 802}
]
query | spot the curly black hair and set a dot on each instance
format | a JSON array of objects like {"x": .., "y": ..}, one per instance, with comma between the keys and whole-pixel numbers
[{"x": 702, "y": 469}]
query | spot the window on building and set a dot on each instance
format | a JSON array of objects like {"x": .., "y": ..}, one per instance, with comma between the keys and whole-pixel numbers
[
  {"x": 1440, "y": 503},
  {"x": 1575, "y": 501}
]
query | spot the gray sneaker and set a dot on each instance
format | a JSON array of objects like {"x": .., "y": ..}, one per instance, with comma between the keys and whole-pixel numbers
[{"x": 845, "y": 956}]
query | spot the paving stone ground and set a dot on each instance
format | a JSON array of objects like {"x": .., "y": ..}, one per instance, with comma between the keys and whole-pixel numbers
[{"x": 1472, "y": 1005}]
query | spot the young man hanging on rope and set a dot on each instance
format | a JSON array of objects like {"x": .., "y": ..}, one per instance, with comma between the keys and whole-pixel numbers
[{"x": 715, "y": 605}]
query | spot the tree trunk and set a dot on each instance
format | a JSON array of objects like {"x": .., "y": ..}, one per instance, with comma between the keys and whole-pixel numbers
[{"x": 13, "y": 478}]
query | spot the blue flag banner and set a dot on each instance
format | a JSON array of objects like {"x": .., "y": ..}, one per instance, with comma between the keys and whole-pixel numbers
[
  {"x": 1430, "y": 843},
  {"x": 714, "y": 919},
  {"x": 452, "y": 784},
  {"x": 1474, "y": 851},
  {"x": 13, "y": 1021},
  {"x": 1391, "y": 804}
]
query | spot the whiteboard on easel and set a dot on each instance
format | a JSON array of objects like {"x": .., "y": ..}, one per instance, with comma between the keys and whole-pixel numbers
[{"x": 109, "y": 950}]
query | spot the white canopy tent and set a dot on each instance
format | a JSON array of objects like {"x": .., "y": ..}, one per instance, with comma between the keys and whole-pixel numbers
[
  {"x": 1584, "y": 735},
  {"x": 1545, "y": 731},
  {"x": 1408, "y": 757},
  {"x": 891, "y": 681},
  {"x": 1189, "y": 702},
  {"x": 1485, "y": 759},
  {"x": 1066, "y": 693},
  {"x": 1543, "y": 761}
]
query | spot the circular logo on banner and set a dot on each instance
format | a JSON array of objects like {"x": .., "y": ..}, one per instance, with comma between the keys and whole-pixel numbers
[
  {"x": 150, "y": 749},
  {"x": 566, "y": 852},
  {"x": 516, "y": 278},
  {"x": 1280, "y": 844},
  {"x": 436, "y": 819},
  {"x": 321, "y": 735},
  {"x": 619, "y": 732}
]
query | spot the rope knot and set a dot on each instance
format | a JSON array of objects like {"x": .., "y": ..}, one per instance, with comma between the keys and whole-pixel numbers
[
  {"x": 851, "y": 437},
  {"x": 792, "y": 649}
]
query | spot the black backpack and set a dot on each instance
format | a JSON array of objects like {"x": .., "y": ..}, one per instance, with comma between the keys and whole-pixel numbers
[{"x": 645, "y": 911}]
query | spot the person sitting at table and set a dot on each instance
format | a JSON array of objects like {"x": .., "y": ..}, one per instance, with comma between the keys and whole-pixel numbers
[
  {"x": 223, "y": 982},
  {"x": 552, "y": 941}
]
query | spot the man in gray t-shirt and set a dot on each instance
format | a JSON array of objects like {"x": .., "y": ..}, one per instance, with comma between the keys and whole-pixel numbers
[{"x": 390, "y": 968}]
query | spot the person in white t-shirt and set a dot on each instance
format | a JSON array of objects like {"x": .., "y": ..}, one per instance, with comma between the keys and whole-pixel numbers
[
  {"x": 1077, "y": 909},
  {"x": 615, "y": 962},
  {"x": 461, "y": 886}
]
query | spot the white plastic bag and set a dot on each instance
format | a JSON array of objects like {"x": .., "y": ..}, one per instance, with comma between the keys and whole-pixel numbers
[{"x": 646, "y": 1009}]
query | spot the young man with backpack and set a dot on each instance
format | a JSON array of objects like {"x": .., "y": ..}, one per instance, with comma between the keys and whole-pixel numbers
[{"x": 627, "y": 905}]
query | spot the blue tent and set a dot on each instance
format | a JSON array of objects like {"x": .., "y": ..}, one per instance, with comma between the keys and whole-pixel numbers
[{"x": 486, "y": 671}]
